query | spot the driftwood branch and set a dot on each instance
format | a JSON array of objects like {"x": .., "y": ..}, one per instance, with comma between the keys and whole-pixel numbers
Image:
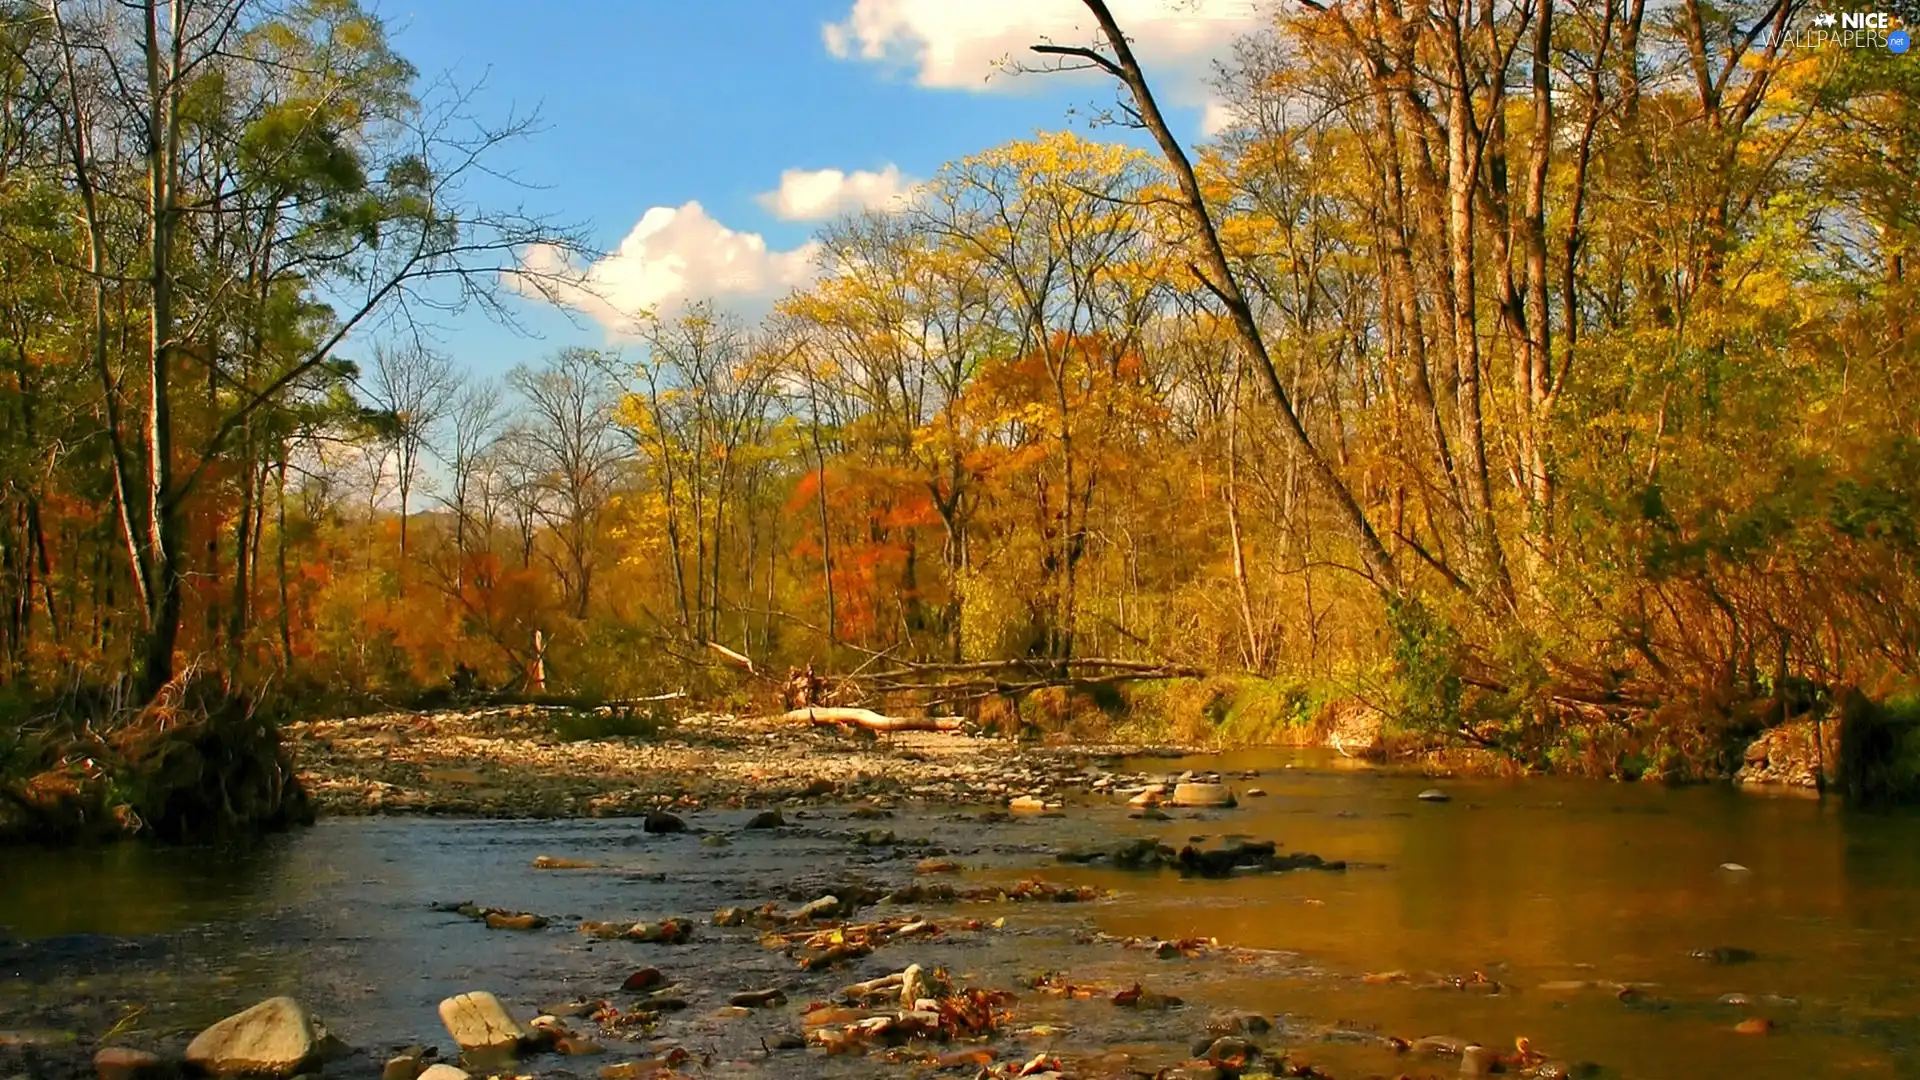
[{"x": 872, "y": 721}]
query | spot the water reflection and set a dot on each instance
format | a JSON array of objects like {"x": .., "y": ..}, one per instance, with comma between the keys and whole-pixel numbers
[{"x": 1538, "y": 882}]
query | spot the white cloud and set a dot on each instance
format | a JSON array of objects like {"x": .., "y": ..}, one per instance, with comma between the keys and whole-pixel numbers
[
  {"x": 819, "y": 194},
  {"x": 1215, "y": 117},
  {"x": 673, "y": 256},
  {"x": 954, "y": 45}
]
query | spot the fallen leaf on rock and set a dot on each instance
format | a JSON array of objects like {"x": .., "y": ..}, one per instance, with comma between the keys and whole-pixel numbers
[
  {"x": 500, "y": 920},
  {"x": 965, "y": 1059},
  {"x": 643, "y": 980},
  {"x": 1056, "y": 984},
  {"x": 667, "y": 931},
  {"x": 1138, "y": 997},
  {"x": 1040, "y": 1063},
  {"x": 834, "y": 954},
  {"x": 612, "y": 1019}
]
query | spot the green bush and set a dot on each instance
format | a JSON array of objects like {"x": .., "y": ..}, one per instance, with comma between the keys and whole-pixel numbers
[
  {"x": 1225, "y": 710},
  {"x": 1266, "y": 712}
]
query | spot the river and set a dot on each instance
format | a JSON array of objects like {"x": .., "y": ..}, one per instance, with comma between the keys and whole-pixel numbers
[{"x": 1606, "y": 914}]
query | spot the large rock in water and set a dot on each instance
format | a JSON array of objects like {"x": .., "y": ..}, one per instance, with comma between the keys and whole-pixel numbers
[
  {"x": 1200, "y": 793},
  {"x": 274, "y": 1038},
  {"x": 477, "y": 1021}
]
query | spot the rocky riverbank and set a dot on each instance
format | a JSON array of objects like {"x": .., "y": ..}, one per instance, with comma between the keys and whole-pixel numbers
[
  {"x": 512, "y": 762},
  {"x": 519, "y": 761}
]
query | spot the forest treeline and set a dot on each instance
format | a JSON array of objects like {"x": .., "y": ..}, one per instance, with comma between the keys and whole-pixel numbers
[{"x": 1534, "y": 363}]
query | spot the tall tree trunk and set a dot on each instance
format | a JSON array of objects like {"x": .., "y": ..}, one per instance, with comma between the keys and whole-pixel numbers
[
  {"x": 79, "y": 144},
  {"x": 243, "y": 543},
  {"x": 820, "y": 502},
  {"x": 1215, "y": 272},
  {"x": 280, "y": 563},
  {"x": 160, "y": 512},
  {"x": 1535, "y": 371},
  {"x": 1256, "y": 658}
]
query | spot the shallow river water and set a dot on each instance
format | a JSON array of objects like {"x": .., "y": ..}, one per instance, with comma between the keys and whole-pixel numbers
[{"x": 1561, "y": 892}]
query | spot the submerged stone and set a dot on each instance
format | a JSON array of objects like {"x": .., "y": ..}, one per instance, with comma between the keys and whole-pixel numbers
[
  {"x": 119, "y": 1063},
  {"x": 1202, "y": 794}
]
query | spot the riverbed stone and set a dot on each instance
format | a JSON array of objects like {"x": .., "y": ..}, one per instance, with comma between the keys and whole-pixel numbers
[
  {"x": 1231, "y": 1052},
  {"x": 1478, "y": 1061},
  {"x": 121, "y": 1063},
  {"x": 477, "y": 1021},
  {"x": 1202, "y": 793},
  {"x": 274, "y": 1038},
  {"x": 1238, "y": 1023},
  {"x": 444, "y": 1071},
  {"x": 1435, "y": 795},
  {"x": 662, "y": 822},
  {"x": 401, "y": 1067}
]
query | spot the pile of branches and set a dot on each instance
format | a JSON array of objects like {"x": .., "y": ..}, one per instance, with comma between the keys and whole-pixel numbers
[
  {"x": 971, "y": 680},
  {"x": 812, "y": 698}
]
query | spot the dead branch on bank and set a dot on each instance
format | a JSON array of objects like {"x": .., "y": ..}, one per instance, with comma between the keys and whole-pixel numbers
[{"x": 737, "y": 659}]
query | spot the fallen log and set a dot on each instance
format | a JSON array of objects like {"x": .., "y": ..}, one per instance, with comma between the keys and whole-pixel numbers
[{"x": 871, "y": 720}]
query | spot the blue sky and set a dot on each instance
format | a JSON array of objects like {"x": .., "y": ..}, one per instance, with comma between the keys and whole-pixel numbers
[{"x": 650, "y": 105}]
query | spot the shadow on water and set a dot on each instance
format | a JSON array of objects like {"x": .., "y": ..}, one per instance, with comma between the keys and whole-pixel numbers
[
  {"x": 131, "y": 889},
  {"x": 1562, "y": 892}
]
